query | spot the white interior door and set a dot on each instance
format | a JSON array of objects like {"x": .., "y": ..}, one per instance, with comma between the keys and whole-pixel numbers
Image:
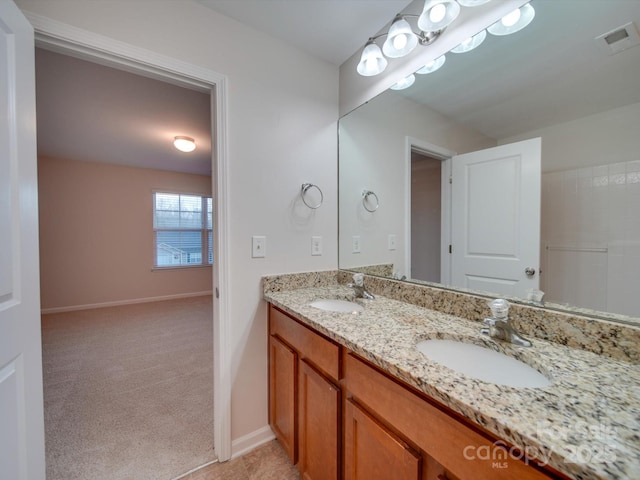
[
  {"x": 495, "y": 217},
  {"x": 21, "y": 406}
]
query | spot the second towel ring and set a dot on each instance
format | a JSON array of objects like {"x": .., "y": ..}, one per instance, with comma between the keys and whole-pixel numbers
[
  {"x": 303, "y": 191},
  {"x": 365, "y": 199}
]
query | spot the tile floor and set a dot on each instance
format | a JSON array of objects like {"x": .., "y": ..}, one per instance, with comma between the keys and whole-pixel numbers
[{"x": 268, "y": 462}]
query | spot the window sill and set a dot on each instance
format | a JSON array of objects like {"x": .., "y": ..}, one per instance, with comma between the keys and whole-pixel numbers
[{"x": 178, "y": 267}]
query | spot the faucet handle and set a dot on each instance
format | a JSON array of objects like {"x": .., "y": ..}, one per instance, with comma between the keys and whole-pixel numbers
[{"x": 499, "y": 308}]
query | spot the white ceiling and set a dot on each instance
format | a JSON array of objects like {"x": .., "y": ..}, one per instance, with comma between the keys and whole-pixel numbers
[
  {"x": 329, "y": 29},
  {"x": 552, "y": 71}
]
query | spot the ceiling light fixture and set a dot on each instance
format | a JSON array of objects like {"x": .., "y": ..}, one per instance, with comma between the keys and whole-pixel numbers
[
  {"x": 513, "y": 22},
  {"x": 184, "y": 144}
]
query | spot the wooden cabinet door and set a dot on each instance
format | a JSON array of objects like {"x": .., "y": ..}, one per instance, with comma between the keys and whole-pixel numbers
[
  {"x": 283, "y": 411},
  {"x": 372, "y": 452},
  {"x": 319, "y": 402}
]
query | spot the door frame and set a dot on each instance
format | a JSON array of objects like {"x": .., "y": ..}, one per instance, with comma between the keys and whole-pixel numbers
[
  {"x": 425, "y": 148},
  {"x": 64, "y": 38}
]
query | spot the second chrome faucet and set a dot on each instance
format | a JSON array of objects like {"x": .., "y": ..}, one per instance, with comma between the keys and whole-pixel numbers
[
  {"x": 499, "y": 326},
  {"x": 359, "y": 288}
]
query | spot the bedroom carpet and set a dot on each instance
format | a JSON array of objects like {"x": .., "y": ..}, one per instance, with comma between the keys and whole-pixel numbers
[{"x": 128, "y": 390}]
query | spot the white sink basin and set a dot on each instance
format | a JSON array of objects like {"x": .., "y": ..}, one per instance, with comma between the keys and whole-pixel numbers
[
  {"x": 482, "y": 363},
  {"x": 331, "y": 305}
]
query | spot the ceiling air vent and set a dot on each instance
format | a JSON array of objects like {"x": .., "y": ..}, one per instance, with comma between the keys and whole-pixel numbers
[{"x": 619, "y": 39}]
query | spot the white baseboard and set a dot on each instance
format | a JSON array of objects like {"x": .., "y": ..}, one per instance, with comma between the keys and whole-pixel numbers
[
  {"x": 252, "y": 440},
  {"x": 73, "y": 308}
]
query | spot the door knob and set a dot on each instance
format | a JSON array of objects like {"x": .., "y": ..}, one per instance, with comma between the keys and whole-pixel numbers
[{"x": 530, "y": 271}]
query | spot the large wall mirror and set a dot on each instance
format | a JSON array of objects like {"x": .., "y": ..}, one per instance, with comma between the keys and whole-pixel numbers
[{"x": 555, "y": 81}]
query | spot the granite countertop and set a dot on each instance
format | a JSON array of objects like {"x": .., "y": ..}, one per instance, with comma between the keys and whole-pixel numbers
[{"x": 586, "y": 424}]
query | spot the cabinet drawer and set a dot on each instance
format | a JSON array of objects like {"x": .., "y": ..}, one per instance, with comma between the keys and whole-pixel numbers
[
  {"x": 446, "y": 439},
  {"x": 317, "y": 350}
]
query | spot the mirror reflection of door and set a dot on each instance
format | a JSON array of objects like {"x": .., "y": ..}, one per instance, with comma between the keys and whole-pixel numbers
[
  {"x": 495, "y": 219},
  {"x": 426, "y": 193}
]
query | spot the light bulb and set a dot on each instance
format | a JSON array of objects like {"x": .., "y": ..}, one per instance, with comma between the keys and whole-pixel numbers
[
  {"x": 514, "y": 21},
  {"x": 400, "y": 41},
  {"x": 184, "y": 144},
  {"x": 512, "y": 18},
  {"x": 437, "y": 13},
  {"x": 370, "y": 65},
  {"x": 372, "y": 62}
]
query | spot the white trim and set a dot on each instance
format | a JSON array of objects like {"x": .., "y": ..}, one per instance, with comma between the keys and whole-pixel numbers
[
  {"x": 435, "y": 151},
  {"x": 445, "y": 232},
  {"x": 251, "y": 441},
  {"x": 117, "y": 303},
  {"x": 98, "y": 48}
]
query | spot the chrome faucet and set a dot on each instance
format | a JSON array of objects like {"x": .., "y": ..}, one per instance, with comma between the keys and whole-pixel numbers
[
  {"x": 499, "y": 326},
  {"x": 359, "y": 288}
]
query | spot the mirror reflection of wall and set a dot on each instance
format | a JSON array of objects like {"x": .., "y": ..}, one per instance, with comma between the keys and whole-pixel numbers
[{"x": 554, "y": 81}]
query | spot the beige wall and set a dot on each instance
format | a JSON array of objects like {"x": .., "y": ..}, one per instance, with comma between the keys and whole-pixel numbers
[{"x": 96, "y": 234}]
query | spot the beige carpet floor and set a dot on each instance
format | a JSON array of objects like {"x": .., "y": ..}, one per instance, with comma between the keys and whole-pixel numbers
[{"x": 129, "y": 391}]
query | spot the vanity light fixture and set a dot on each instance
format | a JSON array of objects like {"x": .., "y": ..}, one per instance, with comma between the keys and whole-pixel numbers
[
  {"x": 372, "y": 61},
  {"x": 184, "y": 144},
  {"x": 406, "y": 82},
  {"x": 400, "y": 40},
  {"x": 438, "y": 14},
  {"x": 513, "y": 22},
  {"x": 432, "y": 66},
  {"x": 472, "y": 3},
  {"x": 471, "y": 43}
]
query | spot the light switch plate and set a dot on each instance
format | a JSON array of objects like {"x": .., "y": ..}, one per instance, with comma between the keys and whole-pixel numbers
[
  {"x": 316, "y": 246},
  {"x": 258, "y": 246},
  {"x": 391, "y": 240},
  {"x": 355, "y": 244}
]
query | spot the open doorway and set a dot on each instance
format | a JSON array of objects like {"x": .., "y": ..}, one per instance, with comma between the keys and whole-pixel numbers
[
  {"x": 113, "y": 403},
  {"x": 426, "y": 216}
]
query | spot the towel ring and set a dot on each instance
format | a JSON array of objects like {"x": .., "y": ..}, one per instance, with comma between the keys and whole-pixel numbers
[
  {"x": 365, "y": 199},
  {"x": 305, "y": 188}
]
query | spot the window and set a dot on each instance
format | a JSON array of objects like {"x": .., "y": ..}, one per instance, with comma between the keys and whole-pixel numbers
[{"x": 182, "y": 226}]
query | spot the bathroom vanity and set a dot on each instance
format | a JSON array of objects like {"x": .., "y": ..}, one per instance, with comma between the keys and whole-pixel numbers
[{"x": 350, "y": 396}]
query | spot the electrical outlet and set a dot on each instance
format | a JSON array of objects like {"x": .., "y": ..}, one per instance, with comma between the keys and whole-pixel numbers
[
  {"x": 391, "y": 241},
  {"x": 355, "y": 244},
  {"x": 316, "y": 246},
  {"x": 258, "y": 247}
]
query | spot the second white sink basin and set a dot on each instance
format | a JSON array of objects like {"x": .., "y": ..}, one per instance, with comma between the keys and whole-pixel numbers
[
  {"x": 332, "y": 305},
  {"x": 483, "y": 363}
]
